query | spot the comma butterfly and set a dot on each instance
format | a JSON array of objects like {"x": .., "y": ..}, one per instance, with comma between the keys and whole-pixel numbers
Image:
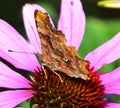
[{"x": 56, "y": 55}]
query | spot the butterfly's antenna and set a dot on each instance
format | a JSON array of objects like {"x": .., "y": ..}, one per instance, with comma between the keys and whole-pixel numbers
[
  {"x": 21, "y": 52},
  {"x": 37, "y": 40}
]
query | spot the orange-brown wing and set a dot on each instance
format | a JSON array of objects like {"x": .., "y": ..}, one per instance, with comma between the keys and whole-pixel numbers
[{"x": 56, "y": 55}]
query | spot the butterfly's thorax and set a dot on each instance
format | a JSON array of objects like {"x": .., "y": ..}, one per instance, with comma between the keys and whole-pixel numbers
[{"x": 56, "y": 55}]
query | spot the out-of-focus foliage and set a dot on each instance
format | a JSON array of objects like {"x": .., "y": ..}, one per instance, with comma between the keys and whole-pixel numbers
[{"x": 25, "y": 104}]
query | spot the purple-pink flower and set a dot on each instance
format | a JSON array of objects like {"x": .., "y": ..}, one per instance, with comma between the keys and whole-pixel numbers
[{"x": 72, "y": 23}]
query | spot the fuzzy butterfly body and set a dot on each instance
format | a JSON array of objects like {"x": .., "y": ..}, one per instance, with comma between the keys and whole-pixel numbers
[{"x": 56, "y": 55}]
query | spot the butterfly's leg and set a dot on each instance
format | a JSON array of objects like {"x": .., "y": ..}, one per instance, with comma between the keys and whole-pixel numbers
[
  {"x": 44, "y": 70},
  {"x": 52, "y": 71},
  {"x": 57, "y": 75}
]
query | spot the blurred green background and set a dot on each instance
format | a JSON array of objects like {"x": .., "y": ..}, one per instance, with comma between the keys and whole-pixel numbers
[{"x": 101, "y": 23}]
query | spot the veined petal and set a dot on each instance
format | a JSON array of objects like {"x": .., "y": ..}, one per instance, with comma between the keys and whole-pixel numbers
[
  {"x": 10, "y": 39},
  {"x": 111, "y": 81},
  {"x": 106, "y": 53},
  {"x": 72, "y": 21},
  {"x": 9, "y": 99},
  {"x": 11, "y": 79},
  {"x": 30, "y": 26}
]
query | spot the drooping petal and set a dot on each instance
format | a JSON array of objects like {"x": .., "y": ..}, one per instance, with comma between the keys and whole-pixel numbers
[
  {"x": 111, "y": 81},
  {"x": 11, "y": 79},
  {"x": 110, "y": 105},
  {"x": 72, "y": 21},
  {"x": 113, "y": 105},
  {"x": 30, "y": 26},
  {"x": 9, "y": 99},
  {"x": 106, "y": 53},
  {"x": 10, "y": 39}
]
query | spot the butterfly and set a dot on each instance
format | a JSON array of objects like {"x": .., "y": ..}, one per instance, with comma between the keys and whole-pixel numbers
[{"x": 56, "y": 55}]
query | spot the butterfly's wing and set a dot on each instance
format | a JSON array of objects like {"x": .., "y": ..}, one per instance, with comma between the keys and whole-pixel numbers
[{"x": 55, "y": 53}]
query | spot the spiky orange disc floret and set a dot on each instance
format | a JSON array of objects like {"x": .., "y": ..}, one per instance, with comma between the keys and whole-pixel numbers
[{"x": 50, "y": 92}]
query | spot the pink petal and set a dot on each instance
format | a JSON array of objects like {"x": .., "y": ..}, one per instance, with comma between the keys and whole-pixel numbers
[
  {"x": 72, "y": 21},
  {"x": 110, "y": 105},
  {"x": 111, "y": 81},
  {"x": 106, "y": 53},
  {"x": 30, "y": 26},
  {"x": 9, "y": 99},
  {"x": 10, "y": 39},
  {"x": 11, "y": 79}
]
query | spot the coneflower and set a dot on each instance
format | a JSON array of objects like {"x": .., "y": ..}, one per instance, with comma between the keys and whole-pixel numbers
[{"x": 50, "y": 92}]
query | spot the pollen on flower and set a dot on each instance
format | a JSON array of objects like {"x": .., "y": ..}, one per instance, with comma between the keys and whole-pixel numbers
[{"x": 50, "y": 92}]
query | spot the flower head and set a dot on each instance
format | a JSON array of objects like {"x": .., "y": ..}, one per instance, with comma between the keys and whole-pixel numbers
[{"x": 45, "y": 87}]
